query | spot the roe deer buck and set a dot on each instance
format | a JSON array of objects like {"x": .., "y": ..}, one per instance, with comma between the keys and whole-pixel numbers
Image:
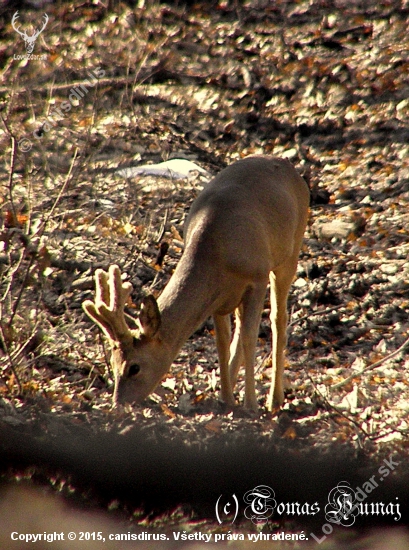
[{"x": 244, "y": 228}]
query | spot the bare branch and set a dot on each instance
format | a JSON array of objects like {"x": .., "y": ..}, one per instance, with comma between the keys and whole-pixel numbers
[{"x": 371, "y": 366}]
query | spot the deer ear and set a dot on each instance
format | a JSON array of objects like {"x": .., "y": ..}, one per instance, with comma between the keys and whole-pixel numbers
[{"x": 149, "y": 317}]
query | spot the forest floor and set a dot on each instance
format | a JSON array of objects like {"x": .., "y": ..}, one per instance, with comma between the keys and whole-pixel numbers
[{"x": 323, "y": 84}]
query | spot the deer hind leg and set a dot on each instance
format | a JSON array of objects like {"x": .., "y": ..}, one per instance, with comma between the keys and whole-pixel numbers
[
  {"x": 252, "y": 305},
  {"x": 236, "y": 347},
  {"x": 222, "y": 327},
  {"x": 280, "y": 283}
]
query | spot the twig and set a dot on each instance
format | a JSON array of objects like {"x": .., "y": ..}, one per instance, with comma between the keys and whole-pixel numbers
[
  {"x": 3, "y": 335},
  {"x": 3, "y": 340},
  {"x": 371, "y": 437},
  {"x": 64, "y": 186},
  {"x": 338, "y": 411},
  {"x": 13, "y": 155},
  {"x": 22, "y": 286},
  {"x": 162, "y": 228},
  {"x": 316, "y": 312},
  {"x": 371, "y": 366},
  {"x": 29, "y": 341}
]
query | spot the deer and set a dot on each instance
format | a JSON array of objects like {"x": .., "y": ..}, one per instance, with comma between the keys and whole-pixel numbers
[{"x": 243, "y": 231}]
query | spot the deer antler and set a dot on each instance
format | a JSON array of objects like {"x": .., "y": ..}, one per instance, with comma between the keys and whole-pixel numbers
[
  {"x": 108, "y": 309},
  {"x": 13, "y": 21},
  {"x": 45, "y": 16}
]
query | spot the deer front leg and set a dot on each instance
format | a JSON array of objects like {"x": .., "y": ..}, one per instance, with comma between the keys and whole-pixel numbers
[
  {"x": 223, "y": 333},
  {"x": 236, "y": 348}
]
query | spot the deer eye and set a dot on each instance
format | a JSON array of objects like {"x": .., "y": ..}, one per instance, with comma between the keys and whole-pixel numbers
[{"x": 134, "y": 369}]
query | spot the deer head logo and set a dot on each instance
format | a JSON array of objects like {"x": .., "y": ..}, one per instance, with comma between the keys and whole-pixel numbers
[{"x": 29, "y": 40}]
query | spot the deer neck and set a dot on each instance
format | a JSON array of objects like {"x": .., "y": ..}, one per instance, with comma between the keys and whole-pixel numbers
[{"x": 187, "y": 301}]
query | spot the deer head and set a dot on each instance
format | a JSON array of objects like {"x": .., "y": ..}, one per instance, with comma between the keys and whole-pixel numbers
[{"x": 132, "y": 382}]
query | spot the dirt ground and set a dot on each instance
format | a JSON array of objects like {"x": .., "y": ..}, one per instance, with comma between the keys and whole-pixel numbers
[{"x": 321, "y": 83}]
